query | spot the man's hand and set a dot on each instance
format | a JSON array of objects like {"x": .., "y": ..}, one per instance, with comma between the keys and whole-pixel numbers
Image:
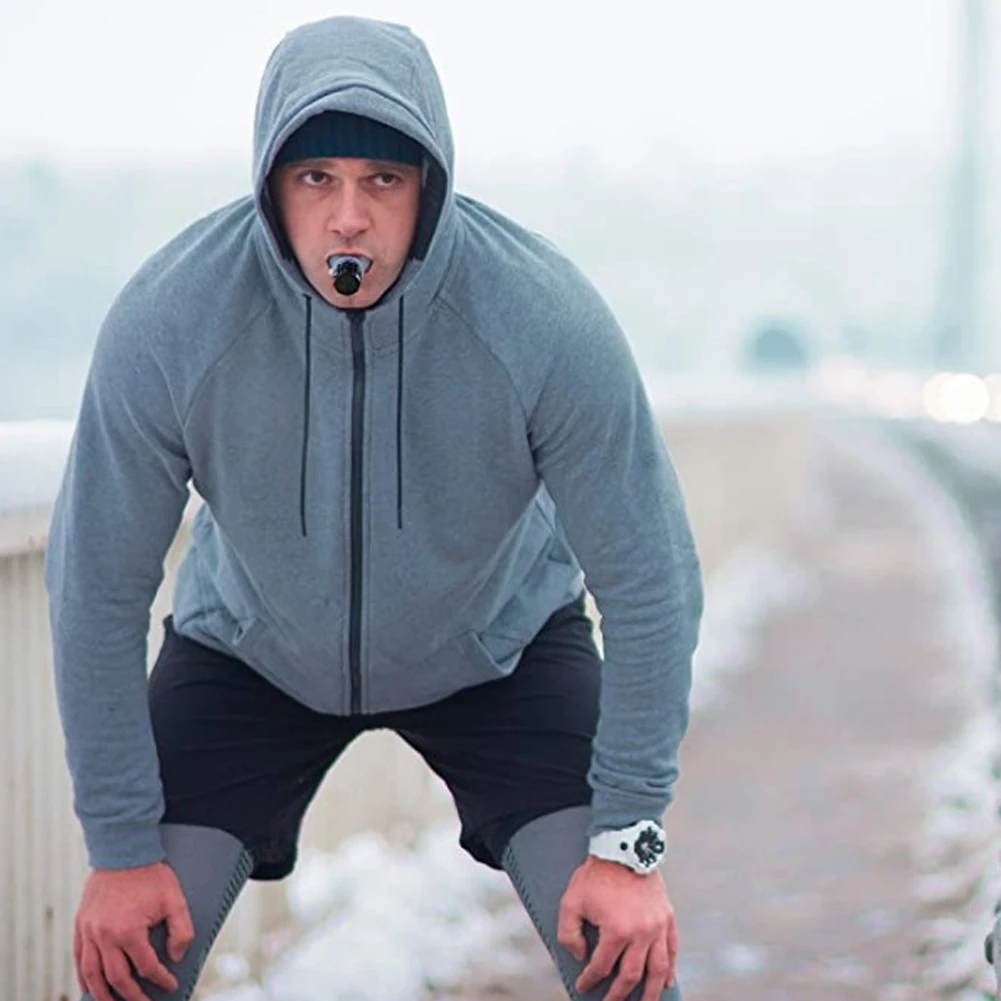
[
  {"x": 112, "y": 928},
  {"x": 635, "y": 922}
]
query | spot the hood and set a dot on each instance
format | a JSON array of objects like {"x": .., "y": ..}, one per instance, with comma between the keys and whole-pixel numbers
[{"x": 371, "y": 68}]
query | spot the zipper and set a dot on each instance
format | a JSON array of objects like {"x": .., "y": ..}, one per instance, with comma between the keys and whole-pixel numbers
[{"x": 357, "y": 321}]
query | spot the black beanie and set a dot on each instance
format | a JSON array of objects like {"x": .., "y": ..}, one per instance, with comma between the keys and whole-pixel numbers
[{"x": 337, "y": 133}]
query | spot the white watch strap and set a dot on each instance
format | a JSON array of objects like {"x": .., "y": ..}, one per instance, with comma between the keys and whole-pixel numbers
[{"x": 641, "y": 847}]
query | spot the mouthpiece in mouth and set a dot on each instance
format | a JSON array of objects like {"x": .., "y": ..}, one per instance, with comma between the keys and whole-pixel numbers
[{"x": 347, "y": 272}]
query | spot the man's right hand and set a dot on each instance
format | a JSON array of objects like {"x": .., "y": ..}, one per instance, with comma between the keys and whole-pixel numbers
[{"x": 112, "y": 929}]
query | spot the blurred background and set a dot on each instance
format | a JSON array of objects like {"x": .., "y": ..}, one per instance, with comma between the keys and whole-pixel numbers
[{"x": 793, "y": 209}]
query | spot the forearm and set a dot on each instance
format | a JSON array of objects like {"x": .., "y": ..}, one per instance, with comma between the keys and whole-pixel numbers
[
  {"x": 102, "y": 575},
  {"x": 644, "y": 708},
  {"x": 101, "y": 691},
  {"x": 118, "y": 509},
  {"x": 602, "y": 455}
]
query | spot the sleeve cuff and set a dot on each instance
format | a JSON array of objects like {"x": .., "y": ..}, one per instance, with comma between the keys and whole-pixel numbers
[
  {"x": 613, "y": 810},
  {"x": 119, "y": 846}
]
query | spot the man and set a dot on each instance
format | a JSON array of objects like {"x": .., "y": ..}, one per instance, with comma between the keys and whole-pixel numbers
[{"x": 413, "y": 424}]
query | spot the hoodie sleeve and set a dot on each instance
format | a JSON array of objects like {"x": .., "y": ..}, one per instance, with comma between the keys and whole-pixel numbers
[
  {"x": 119, "y": 506},
  {"x": 602, "y": 457}
]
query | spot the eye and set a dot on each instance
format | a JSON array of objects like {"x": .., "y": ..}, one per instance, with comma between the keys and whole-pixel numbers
[
  {"x": 386, "y": 180},
  {"x": 314, "y": 178}
]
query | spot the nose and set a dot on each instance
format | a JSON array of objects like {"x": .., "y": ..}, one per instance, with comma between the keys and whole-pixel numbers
[{"x": 349, "y": 217}]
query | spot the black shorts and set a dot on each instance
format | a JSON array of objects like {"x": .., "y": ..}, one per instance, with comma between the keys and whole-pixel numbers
[{"x": 238, "y": 754}]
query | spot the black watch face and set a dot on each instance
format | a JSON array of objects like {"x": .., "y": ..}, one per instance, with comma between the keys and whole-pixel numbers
[{"x": 649, "y": 847}]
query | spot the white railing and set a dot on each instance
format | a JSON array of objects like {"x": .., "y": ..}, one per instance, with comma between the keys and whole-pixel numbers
[
  {"x": 741, "y": 474},
  {"x": 43, "y": 854}
]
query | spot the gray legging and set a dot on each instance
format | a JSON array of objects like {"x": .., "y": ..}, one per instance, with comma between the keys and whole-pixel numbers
[
  {"x": 539, "y": 860},
  {"x": 212, "y": 867}
]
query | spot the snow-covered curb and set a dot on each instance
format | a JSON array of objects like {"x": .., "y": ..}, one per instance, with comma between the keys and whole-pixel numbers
[
  {"x": 377, "y": 923},
  {"x": 959, "y": 846}
]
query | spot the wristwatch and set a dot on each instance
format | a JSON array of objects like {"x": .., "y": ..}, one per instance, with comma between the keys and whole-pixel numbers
[{"x": 641, "y": 847}]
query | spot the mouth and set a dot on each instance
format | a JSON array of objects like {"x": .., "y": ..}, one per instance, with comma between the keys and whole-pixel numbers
[{"x": 333, "y": 259}]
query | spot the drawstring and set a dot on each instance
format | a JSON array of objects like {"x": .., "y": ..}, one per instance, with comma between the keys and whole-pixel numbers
[
  {"x": 305, "y": 417},
  {"x": 305, "y": 414},
  {"x": 399, "y": 420}
]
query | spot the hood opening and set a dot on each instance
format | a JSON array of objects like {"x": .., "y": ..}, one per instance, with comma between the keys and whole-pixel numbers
[{"x": 433, "y": 200}]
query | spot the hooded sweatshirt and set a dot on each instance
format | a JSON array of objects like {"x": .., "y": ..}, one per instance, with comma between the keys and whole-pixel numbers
[{"x": 396, "y": 498}]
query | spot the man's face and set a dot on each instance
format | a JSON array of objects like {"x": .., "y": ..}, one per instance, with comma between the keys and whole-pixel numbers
[{"x": 338, "y": 206}]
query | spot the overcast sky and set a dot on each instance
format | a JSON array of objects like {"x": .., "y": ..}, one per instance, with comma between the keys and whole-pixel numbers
[{"x": 718, "y": 81}]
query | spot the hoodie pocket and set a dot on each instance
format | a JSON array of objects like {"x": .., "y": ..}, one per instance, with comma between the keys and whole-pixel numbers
[
  {"x": 463, "y": 662},
  {"x": 481, "y": 660},
  {"x": 246, "y": 634},
  {"x": 554, "y": 581}
]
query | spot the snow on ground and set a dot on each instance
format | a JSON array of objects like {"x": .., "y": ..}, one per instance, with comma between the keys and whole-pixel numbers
[
  {"x": 386, "y": 924},
  {"x": 959, "y": 847},
  {"x": 378, "y": 923}
]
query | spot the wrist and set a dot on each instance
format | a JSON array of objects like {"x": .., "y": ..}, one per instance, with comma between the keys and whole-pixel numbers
[{"x": 640, "y": 847}]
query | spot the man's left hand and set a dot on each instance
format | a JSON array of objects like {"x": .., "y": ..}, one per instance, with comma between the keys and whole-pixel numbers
[{"x": 636, "y": 927}]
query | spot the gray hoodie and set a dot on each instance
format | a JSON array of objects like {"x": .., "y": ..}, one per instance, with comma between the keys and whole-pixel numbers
[{"x": 396, "y": 499}]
